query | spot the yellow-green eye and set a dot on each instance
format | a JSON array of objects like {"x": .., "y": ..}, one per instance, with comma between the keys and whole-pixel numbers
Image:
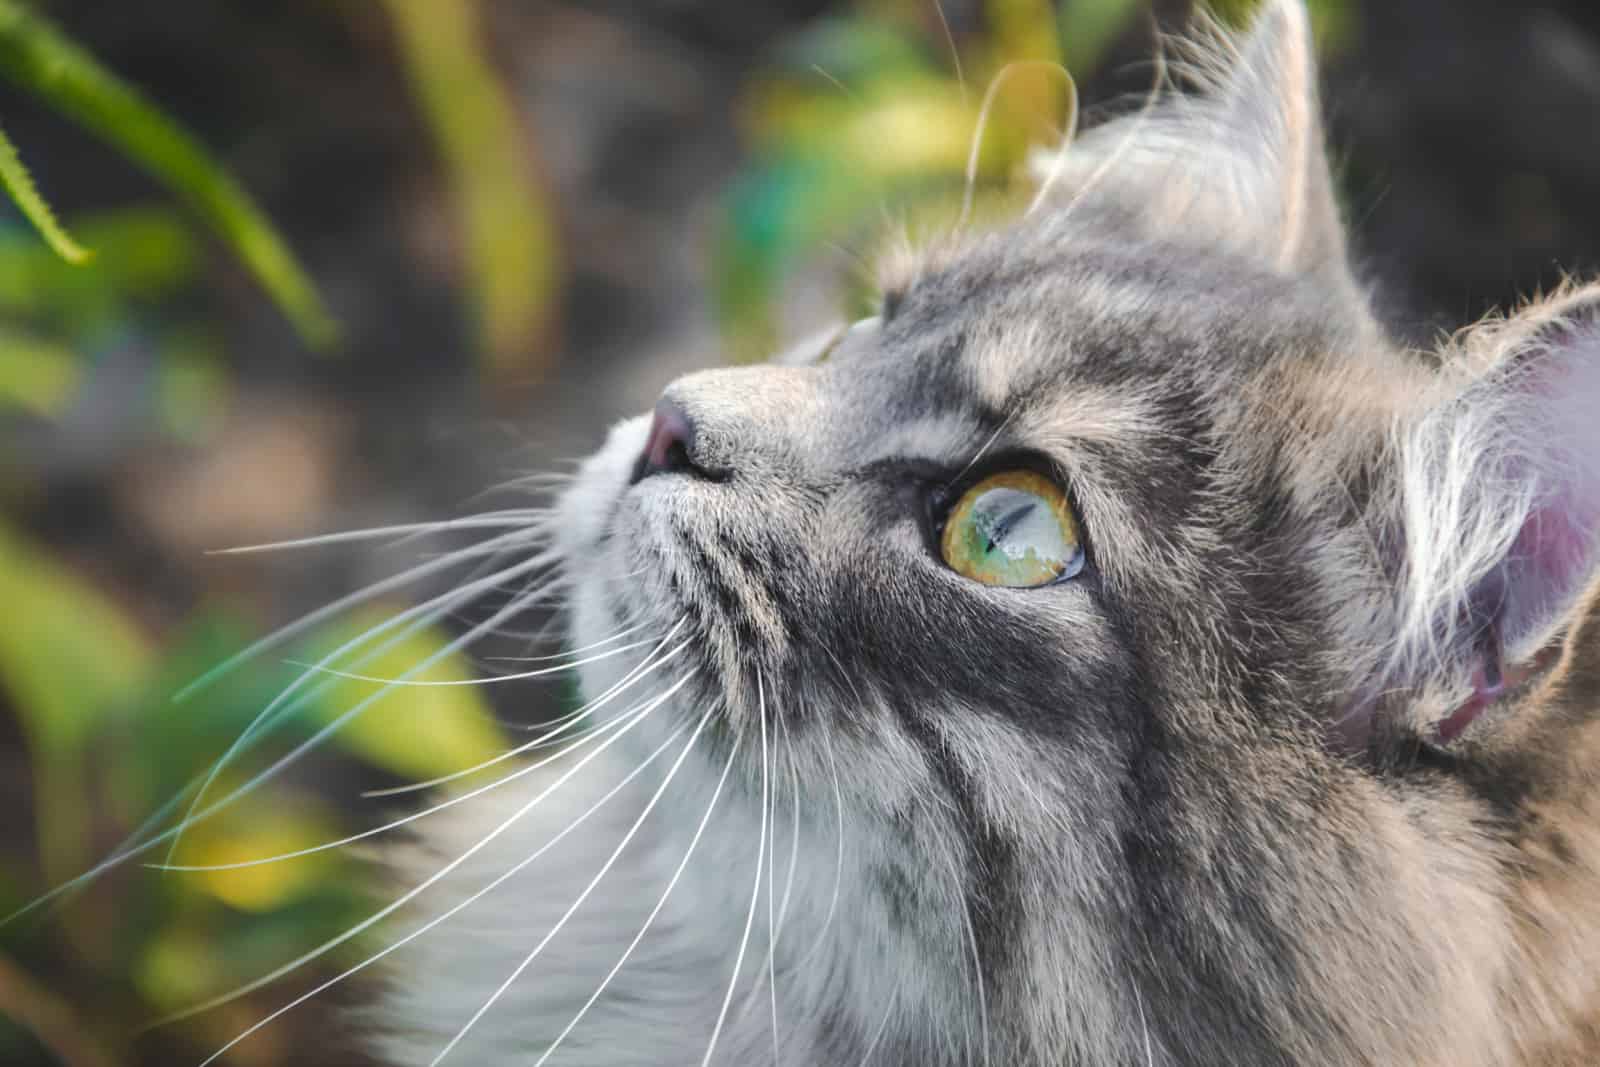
[{"x": 1013, "y": 529}]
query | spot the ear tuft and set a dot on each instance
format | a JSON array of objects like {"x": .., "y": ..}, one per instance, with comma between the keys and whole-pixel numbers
[
  {"x": 1240, "y": 165},
  {"x": 1271, "y": 101}
]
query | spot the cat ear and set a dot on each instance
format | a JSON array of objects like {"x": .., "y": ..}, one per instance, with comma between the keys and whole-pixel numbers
[
  {"x": 1240, "y": 164},
  {"x": 1496, "y": 504},
  {"x": 1269, "y": 107}
]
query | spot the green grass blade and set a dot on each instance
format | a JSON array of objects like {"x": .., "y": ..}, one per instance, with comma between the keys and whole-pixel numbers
[
  {"x": 36, "y": 56},
  {"x": 19, "y": 185},
  {"x": 509, "y": 236}
]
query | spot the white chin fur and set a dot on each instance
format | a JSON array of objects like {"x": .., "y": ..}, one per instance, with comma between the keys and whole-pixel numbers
[{"x": 662, "y": 1005}]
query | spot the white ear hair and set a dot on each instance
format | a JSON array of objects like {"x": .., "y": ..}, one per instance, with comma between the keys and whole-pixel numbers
[
  {"x": 1499, "y": 488},
  {"x": 1241, "y": 164},
  {"x": 1270, "y": 102}
]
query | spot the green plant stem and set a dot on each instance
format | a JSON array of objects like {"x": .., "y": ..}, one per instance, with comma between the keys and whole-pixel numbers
[
  {"x": 37, "y": 57},
  {"x": 19, "y": 184},
  {"x": 509, "y": 238}
]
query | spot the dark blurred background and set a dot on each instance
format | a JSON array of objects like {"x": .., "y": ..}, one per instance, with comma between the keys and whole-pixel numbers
[{"x": 525, "y": 217}]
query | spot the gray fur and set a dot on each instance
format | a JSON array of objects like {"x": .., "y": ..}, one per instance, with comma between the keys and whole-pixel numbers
[{"x": 1189, "y": 808}]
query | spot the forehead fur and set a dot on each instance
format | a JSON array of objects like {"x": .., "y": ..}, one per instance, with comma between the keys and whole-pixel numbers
[
  {"x": 1098, "y": 327},
  {"x": 1101, "y": 821}
]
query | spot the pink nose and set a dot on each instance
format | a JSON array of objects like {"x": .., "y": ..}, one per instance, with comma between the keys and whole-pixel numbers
[{"x": 670, "y": 446}]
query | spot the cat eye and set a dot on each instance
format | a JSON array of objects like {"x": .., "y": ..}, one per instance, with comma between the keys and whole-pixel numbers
[{"x": 1015, "y": 529}]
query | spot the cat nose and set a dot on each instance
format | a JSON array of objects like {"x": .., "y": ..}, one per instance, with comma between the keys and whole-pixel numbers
[{"x": 669, "y": 449}]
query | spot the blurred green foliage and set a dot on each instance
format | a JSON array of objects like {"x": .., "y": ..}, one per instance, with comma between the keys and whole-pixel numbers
[
  {"x": 508, "y": 231},
  {"x": 44, "y": 62},
  {"x": 875, "y": 116},
  {"x": 510, "y": 248},
  {"x": 868, "y": 116},
  {"x": 868, "y": 121},
  {"x": 94, "y": 696},
  {"x": 88, "y": 679}
]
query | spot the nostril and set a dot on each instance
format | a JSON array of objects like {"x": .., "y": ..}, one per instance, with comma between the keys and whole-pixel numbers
[
  {"x": 670, "y": 446},
  {"x": 671, "y": 434},
  {"x": 674, "y": 457}
]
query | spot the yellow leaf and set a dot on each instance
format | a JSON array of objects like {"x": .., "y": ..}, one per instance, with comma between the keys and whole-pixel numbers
[
  {"x": 35, "y": 55},
  {"x": 418, "y": 731},
  {"x": 927, "y": 132},
  {"x": 256, "y": 831}
]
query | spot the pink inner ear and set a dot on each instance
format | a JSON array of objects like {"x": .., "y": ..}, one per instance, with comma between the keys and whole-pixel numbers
[
  {"x": 1555, "y": 408},
  {"x": 1456, "y": 723},
  {"x": 1550, "y": 559},
  {"x": 1555, "y": 552},
  {"x": 1488, "y": 685},
  {"x": 1515, "y": 460},
  {"x": 1554, "y": 555},
  {"x": 1491, "y": 680}
]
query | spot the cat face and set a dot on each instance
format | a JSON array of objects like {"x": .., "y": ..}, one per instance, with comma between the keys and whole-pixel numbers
[{"x": 1256, "y": 777}]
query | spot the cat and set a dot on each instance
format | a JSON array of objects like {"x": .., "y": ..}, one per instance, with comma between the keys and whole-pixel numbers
[{"x": 1117, "y": 650}]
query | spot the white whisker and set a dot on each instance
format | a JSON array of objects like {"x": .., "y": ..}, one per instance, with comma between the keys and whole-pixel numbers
[
  {"x": 583, "y": 739},
  {"x": 794, "y": 829},
  {"x": 651, "y": 918},
  {"x": 838, "y": 860},
  {"x": 258, "y": 724},
  {"x": 955, "y": 53},
  {"x": 133, "y": 846},
  {"x": 839, "y": 669},
  {"x": 619, "y": 635},
  {"x": 883, "y": 1025},
  {"x": 415, "y": 891},
  {"x": 755, "y": 889},
  {"x": 835, "y": 82},
  {"x": 982, "y": 124},
  {"x": 542, "y": 482},
  {"x": 504, "y": 542},
  {"x": 1144, "y": 1026},
  {"x": 1136, "y": 124},
  {"x": 988, "y": 444},
  {"x": 977, "y": 973},
  {"x": 781, "y": 741},
  {"x": 491, "y": 680},
  {"x": 572, "y": 909},
  {"x": 1069, "y": 132},
  {"x": 526, "y": 518},
  {"x": 772, "y": 892},
  {"x": 633, "y": 677}
]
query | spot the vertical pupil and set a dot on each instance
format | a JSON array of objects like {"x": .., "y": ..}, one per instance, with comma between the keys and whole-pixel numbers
[
  {"x": 1002, "y": 527},
  {"x": 1013, "y": 529},
  {"x": 995, "y": 526}
]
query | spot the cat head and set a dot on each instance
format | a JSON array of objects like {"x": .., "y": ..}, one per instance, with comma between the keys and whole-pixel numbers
[{"x": 1200, "y": 673}]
